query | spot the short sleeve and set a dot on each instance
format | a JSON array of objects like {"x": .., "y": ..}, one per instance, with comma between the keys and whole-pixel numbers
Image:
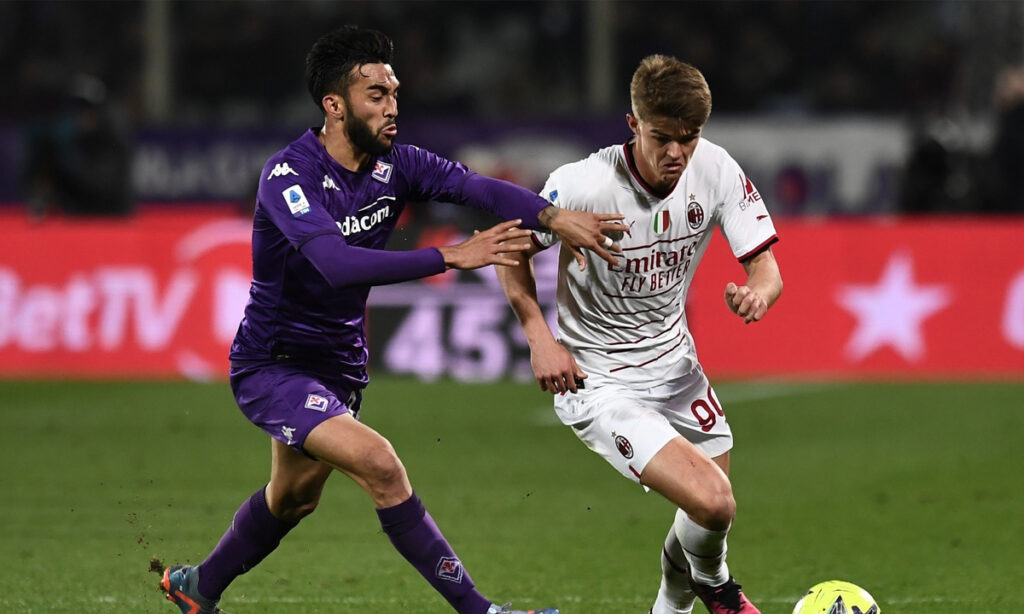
[
  {"x": 742, "y": 214},
  {"x": 291, "y": 197}
]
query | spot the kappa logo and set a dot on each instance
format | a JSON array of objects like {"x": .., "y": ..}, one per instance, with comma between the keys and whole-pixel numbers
[
  {"x": 295, "y": 198},
  {"x": 289, "y": 433},
  {"x": 381, "y": 172},
  {"x": 329, "y": 183},
  {"x": 449, "y": 568},
  {"x": 281, "y": 170},
  {"x": 316, "y": 402}
]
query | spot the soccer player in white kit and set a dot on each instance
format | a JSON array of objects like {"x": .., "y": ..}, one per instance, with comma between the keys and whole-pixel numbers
[{"x": 645, "y": 405}]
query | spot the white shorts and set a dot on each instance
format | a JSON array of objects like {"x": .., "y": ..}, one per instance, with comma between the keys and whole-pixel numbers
[{"x": 629, "y": 425}]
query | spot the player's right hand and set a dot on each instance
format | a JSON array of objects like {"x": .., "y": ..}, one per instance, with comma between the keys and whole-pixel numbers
[
  {"x": 486, "y": 247},
  {"x": 745, "y": 302},
  {"x": 581, "y": 230},
  {"x": 555, "y": 368}
]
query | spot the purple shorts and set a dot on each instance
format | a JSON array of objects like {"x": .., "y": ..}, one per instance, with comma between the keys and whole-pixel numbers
[{"x": 288, "y": 401}]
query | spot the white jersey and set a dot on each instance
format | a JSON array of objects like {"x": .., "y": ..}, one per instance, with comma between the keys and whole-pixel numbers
[{"x": 627, "y": 324}]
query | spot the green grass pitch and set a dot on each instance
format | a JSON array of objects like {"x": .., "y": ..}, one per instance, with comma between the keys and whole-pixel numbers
[{"x": 913, "y": 491}]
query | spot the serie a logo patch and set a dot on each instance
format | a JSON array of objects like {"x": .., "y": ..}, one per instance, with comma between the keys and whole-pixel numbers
[{"x": 296, "y": 200}]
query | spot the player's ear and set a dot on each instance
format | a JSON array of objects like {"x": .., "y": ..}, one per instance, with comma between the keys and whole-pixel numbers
[
  {"x": 633, "y": 123},
  {"x": 333, "y": 106}
]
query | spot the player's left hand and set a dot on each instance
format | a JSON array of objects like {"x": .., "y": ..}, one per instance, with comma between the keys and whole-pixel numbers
[
  {"x": 580, "y": 230},
  {"x": 745, "y": 303}
]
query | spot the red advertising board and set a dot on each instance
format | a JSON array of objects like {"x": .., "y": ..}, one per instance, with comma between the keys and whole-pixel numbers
[
  {"x": 917, "y": 297},
  {"x": 157, "y": 295},
  {"x": 160, "y": 295}
]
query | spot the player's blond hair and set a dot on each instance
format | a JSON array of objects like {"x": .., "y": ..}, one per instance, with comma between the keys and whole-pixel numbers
[{"x": 663, "y": 86}]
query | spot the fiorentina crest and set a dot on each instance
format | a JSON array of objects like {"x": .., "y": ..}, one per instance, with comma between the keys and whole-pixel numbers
[
  {"x": 381, "y": 171},
  {"x": 317, "y": 402},
  {"x": 449, "y": 568}
]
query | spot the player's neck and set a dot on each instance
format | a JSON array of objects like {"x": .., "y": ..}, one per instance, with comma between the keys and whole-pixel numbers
[
  {"x": 660, "y": 189},
  {"x": 339, "y": 147},
  {"x": 648, "y": 176}
]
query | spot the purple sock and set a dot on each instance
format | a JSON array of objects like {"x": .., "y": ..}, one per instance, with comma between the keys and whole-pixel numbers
[
  {"x": 253, "y": 534},
  {"x": 416, "y": 536}
]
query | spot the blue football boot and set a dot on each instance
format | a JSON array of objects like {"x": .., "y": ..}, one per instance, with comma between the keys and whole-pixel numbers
[
  {"x": 505, "y": 610},
  {"x": 181, "y": 583}
]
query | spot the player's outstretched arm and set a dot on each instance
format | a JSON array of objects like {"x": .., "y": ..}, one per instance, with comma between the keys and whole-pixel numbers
[
  {"x": 577, "y": 229},
  {"x": 555, "y": 369},
  {"x": 764, "y": 285},
  {"x": 584, "y": 230},
  {"x": 496, "y": 245},
  {"x": 345, "y": 265}
]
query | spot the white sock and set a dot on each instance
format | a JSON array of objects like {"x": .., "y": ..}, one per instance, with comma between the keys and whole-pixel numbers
[
  {"x": 705, "y": 550},
  {"x": 674, "y": 595}
]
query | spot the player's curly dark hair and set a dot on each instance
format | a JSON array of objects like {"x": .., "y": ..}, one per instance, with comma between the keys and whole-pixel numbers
[
  {"x": 330, "y": 61},
  {"x": 664, "y": 86}
]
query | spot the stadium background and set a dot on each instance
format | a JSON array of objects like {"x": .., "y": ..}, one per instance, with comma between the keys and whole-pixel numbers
[{"x": 886, "y": 137}]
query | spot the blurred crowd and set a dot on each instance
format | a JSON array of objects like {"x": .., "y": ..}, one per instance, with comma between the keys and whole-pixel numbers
[{"x": 82, "y": 74}]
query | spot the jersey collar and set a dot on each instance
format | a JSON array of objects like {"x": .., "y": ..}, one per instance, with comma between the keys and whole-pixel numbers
[
  {"x": 627, "y": 149},
  {"x": 313, "y": 142}
]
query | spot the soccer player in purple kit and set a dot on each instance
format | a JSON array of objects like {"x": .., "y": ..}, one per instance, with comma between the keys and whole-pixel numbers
[{"x": 326, "y": 205}]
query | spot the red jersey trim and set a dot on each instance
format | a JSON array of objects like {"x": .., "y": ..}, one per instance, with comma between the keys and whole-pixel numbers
[
  {"x": 760, "y": 248},
  {"x": 669, "y": 329},
  {"x": 656, "y": 358},
  {"x": 638, "y": 311},
  {"x": 660, "y": 241},
  {"x": 536, "y": 241},
  {"x": 631, "y": 163}
]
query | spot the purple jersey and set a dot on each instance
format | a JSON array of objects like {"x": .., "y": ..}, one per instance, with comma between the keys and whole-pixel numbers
[{"x": 294, "y": 312}]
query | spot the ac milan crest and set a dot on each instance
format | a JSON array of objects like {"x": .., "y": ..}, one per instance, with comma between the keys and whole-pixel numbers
[
  {"x": 694, "y": 215},
  {"x": 625, "y": 448}
]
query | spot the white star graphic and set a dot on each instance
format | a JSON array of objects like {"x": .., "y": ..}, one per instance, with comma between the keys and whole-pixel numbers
[{"x": 890, "y": 313}]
